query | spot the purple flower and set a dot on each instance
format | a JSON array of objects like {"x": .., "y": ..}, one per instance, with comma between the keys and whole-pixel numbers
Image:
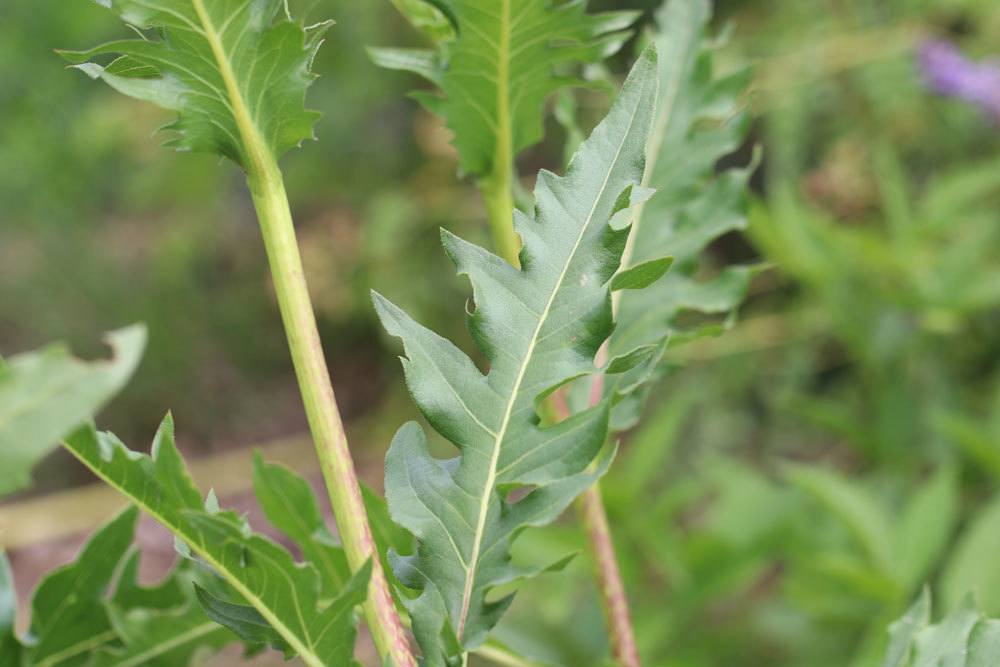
[{"x": 948, "y": 72}]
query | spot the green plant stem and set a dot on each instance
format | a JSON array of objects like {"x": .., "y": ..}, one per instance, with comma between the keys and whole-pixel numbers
[{"x": 271, "y": 202}]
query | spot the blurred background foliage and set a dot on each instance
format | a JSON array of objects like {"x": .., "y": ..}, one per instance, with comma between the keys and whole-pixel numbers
[{"x": 795, "y": 481}]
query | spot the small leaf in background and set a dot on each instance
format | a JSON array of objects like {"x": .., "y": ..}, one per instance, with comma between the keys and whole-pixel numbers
[
  {"x": 972, "y": 568},
  {"x": 964, "y": 638},
  {"x": 46, "y": 394},
  {"x": 507, "y": 57},
  {"x": 235, "y": 71},
  {"x": 539, "y": 327},
  {"x": 285, "y": 594}
]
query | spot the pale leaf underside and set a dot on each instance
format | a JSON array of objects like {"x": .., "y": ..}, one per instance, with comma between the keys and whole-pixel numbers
[{"x": 236, "y": 72}]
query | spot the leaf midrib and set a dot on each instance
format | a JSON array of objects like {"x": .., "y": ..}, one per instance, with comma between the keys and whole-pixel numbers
[{"x": 501, "y": 432}]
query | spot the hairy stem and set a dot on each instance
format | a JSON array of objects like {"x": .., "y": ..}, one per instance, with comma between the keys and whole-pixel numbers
[{"x": 271, "y": 202}]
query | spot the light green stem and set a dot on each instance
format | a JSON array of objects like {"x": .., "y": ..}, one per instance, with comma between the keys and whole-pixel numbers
[{"x": 271, "y": 202}]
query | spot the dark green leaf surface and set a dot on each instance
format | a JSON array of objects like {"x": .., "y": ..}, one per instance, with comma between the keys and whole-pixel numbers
[
  {"x": 698, "y": 121},
  {"x": 539, "y": 327},
  {"x": 287, "y": 595},
  {"x": 235, "y": 71},
  {"x": 46, "y": 394},
  {"x": 964, "y": 638},
  {"x": 507, "y": 57}
]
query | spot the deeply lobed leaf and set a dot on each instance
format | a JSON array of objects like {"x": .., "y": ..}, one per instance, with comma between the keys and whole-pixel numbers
[
  {"x": 539, "y": 327},
  {"x": 278, "y": 601},
  {"x": 699, "y": 120},
  {"x": 235, "y": 71},
  {"x": 46, "y": 394},
  {"x": 506, "y": 58}
]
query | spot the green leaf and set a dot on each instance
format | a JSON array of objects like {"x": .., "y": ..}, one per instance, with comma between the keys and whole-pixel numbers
[
  {"x": 539, "y": 327},
  {"x": 289, "y": 504},
  {"x": 972, "y": 568},
  {"x": 903, "y": 631},
  {"x": 507, "y": 57},
  {"x": 154, "y": 638},
  {"x": 235, "y": 71},
  {"x": 160, "y": 625},
  {"x": 426, "y": 18},
  {"x": 286, "y": 594},
  {"x": 642, "y": 275},
  {"x": 253, "y": 627},
  {"x": 46, "y": 394},
  {"x": 698, "y": 121},
  {"x": 965, "y": 638},
  {"x": 68, "y": 618},
  {"x": 74, "y": 622}
]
